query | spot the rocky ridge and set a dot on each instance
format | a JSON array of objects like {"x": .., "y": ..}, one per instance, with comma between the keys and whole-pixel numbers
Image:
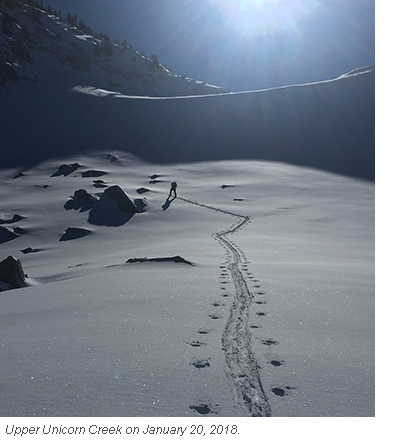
[{"x": 34, "y": 43}]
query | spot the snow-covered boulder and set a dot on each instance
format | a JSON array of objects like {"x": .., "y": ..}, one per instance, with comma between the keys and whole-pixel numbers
[{"x": 11, "y": 272}]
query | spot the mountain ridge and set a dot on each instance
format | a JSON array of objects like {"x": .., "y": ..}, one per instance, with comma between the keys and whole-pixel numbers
[
  {"x": 328, "y": 125},
  {"x": 34, "y": 40}
]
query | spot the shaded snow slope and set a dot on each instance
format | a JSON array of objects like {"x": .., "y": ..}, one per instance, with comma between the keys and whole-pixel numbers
[
  {"x": 39, "y": 47},
  {"x": 327, "y": 125},
  {"x": 275, "y": 317}
]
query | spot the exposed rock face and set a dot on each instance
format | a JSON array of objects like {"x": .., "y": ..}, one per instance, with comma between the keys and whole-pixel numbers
[
  {"x": 93, "y": 173},
  {"x": 175, "y": 259},
  {"x": 121, "y": 199},
  {"x": 11, "y": 272},
  {"x": 74, "y": 233},
  {"x": 66, "y": 169},
  {"x": 6, "y": 235},
  {"x": 82, "y": 194}
]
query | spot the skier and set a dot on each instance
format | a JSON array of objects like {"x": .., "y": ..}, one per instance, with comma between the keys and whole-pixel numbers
[{"x": 173, "y": 189}]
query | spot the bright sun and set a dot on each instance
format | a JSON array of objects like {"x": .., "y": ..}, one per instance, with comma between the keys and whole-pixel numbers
[{"x": 260, "y": 17}]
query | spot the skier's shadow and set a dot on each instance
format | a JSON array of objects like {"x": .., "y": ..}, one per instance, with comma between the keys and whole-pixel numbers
[{"x": 167, "y": 203}]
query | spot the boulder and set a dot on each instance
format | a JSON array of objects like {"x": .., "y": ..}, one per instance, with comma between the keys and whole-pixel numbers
[
  {"x": 6, "y": 235},
  {"x": 66, "y": 169},
  {"x": 93, "y": 173},
  {"x": 124, "y": 203},
  {"x": 82, "y": 194},
  {"x": 11, "y": 272},
  {"x": 74, "y": 233}
]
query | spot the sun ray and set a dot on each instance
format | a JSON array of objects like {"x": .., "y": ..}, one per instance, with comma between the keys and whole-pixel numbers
[{"x": 261, "y": 17}]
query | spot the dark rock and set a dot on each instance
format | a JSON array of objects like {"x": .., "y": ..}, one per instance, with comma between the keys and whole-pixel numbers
[
  {"x": 14, "y": 219},
  {"x": 11, "y": 272},
  {"x": 20, "y": 231},
  {"x": 6, "y": 235},
  {"x": 99, "y": 184},
  {"x": 112, "y": 158},
  {"x": 74, "y": 233},
  {"x": 140, "y": 204},
  {"x": 175, "y": 259},
  {"x": 93, "y": 173},
  {"x": 28, "y": 250},
  {"x": 66, "y": 169},
  {"x": 124, "y": 203},
  {"x": 81, "y": 200},
  {"x": 82, "y": 194}
]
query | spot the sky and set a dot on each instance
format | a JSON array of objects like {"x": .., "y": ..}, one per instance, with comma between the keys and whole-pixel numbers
[{"x": 240, "y": 44}]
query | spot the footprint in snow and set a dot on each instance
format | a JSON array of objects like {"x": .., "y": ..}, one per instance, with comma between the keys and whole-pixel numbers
[
  {"x": 281, "y": 392},
  {"x": 204, "y": 331},
  {"x": 202, "y": 409},
  {"x": 196, "y": 343},
  {"x": 269, "y": 342},
  {"x": 261, "y": 314},
  {"x": 202, "y": 363},
  {"x": 276, "y": 362},
  {"x": 214, "y": 316}
]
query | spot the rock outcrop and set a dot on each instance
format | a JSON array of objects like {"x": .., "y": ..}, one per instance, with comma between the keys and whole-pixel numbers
[
  {"x": 124, "y": 203},
  {"x": 11, "y": 272},
  {"x": 6, "y": 235}
]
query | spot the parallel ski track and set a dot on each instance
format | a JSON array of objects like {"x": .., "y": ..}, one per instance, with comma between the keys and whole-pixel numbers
[{"x": 236, "y": 339}]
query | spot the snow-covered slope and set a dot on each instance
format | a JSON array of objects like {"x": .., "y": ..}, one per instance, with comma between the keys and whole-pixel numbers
[
  {"x": 273, "y": 314},
  {"x": 327, "y": 125},
  {"x": 251, "y": 294},
  {"x": 37, "y": 46}
]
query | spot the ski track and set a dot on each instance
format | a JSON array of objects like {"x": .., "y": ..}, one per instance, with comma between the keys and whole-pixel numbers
[{"x": 242, "y": 366}]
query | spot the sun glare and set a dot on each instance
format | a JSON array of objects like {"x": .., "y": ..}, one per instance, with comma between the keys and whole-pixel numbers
[{"x": 260, "y": 17}]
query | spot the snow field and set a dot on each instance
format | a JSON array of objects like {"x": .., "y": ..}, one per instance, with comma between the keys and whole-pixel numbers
[{"x": 94, "y": 336}]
